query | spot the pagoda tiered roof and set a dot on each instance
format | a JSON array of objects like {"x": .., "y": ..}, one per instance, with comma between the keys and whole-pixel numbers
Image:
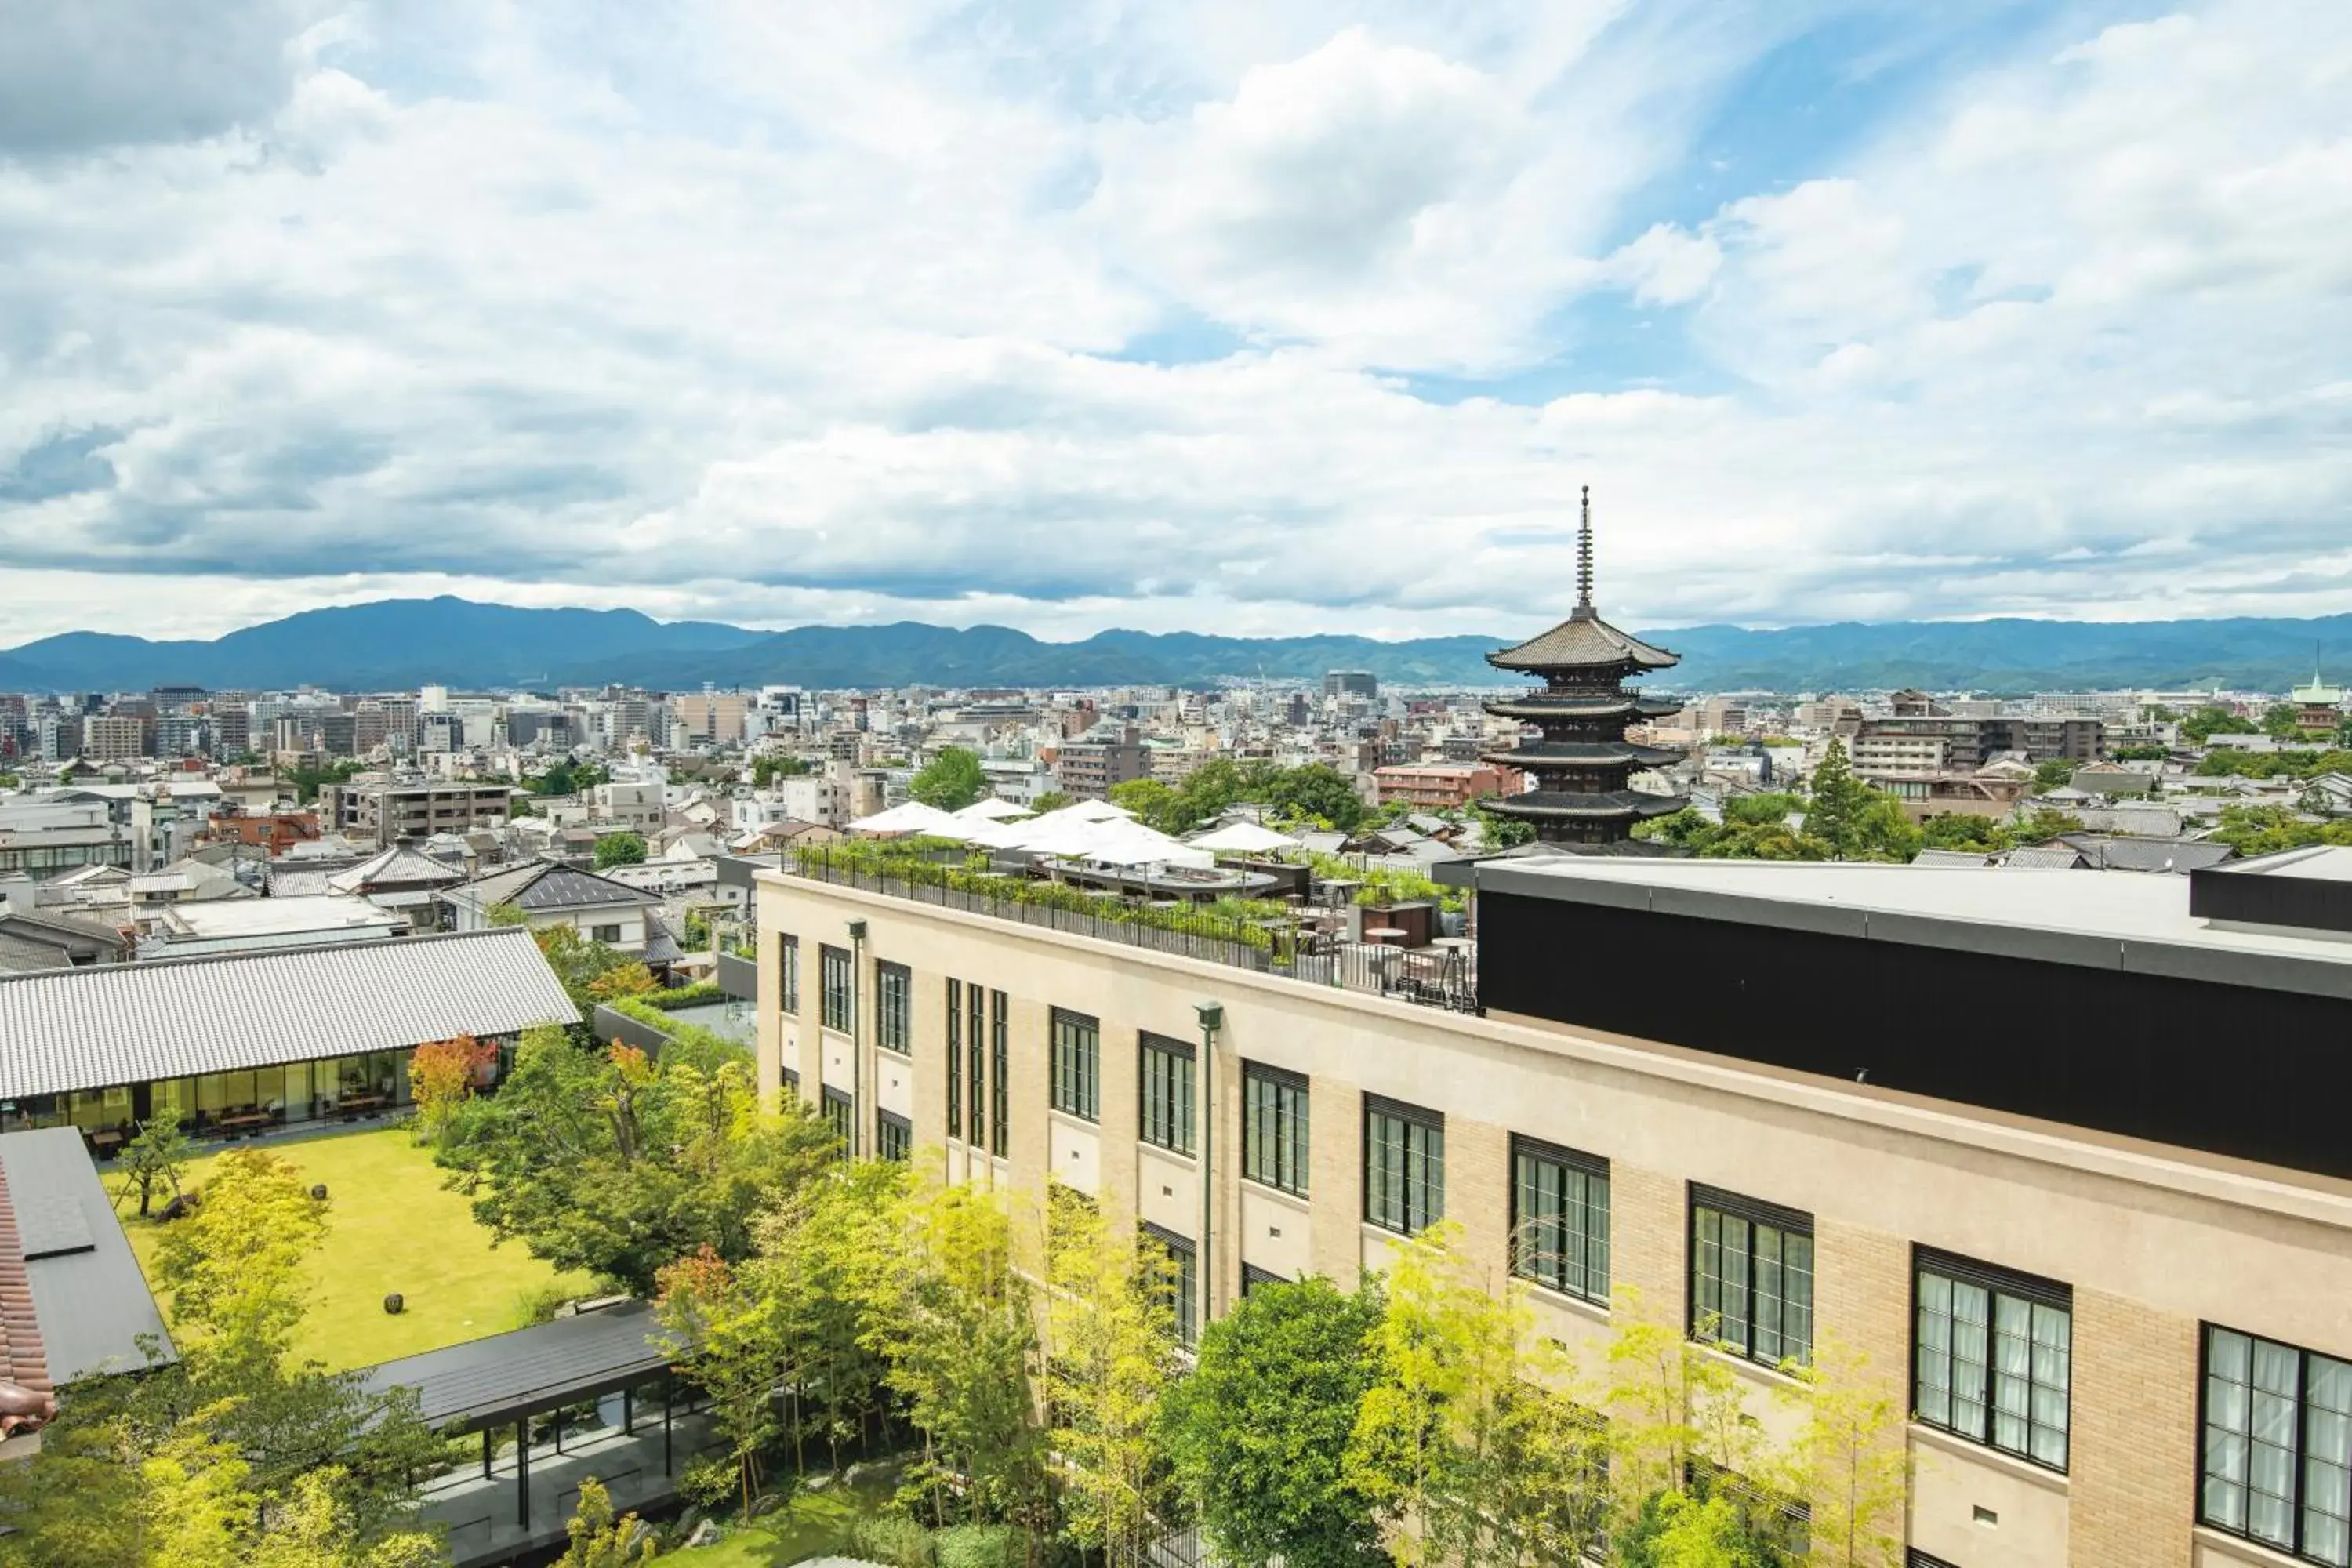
[{"x": 1583, "y": 641}]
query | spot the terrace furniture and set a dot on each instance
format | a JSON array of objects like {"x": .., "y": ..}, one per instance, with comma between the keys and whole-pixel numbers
[
  {"x": 353, "y": 1106},
  {"x": 246, "y": 1121},
  {"x": 107, "y": 1139}
]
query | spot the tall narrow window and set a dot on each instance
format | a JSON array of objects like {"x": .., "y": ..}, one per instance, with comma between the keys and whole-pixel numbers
[
  {"x": 788, "y": 973},
  {"x": 791, "y": 1078},
  {"x": 894, "y": 1137},
  {"x": 840, "y": 1114},
  {"x": 1560, "y": 1218},
  {"x": 1404, "y": 1166},
  {"x": 1274, "y": 1127},
  {"x": 1000, "y": 1053},
  {"x": 1078, "y": 1065},
  {"x": 1167, "y": 1093},
  {"x": 975, "y": 1056},
  {"x": 1751, "y": 1276},
  {"x": 894, "y": 1007},
  {"x": 1183, "y": 1278},
  {"x": 2278, "y": 1445},
  {"x": 955, "y": 1056},
  {"x": 836, "y": 979},
  {"x": 1991, "y": 1355}
]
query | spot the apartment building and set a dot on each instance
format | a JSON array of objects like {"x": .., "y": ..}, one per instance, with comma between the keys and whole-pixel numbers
[
  {"x": 1086, "y": 770},
  {"x": 1442, "y": 787},
  {"x": 383, "y": 814},
  {"x": 113, "y": 738},
  {"x": 2104, "y": 1267}
]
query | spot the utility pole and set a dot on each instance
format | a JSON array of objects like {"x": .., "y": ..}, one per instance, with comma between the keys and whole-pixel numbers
[{"x": 1212, "y": 1018}]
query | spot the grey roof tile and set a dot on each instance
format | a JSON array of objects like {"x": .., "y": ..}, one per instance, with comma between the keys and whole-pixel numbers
[{"x": 126, "y": 1023}]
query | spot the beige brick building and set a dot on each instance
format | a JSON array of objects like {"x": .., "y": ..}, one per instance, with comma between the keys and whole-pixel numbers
[{"x": 1898, "y": 1223}]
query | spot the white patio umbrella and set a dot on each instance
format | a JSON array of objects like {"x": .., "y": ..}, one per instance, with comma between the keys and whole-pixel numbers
[
  {"x": 1243, "y": 839},
  {"x": 992, "y": 810},
  {"x": 912, "y": 817},
  {"x": 1095, "y": 811}
]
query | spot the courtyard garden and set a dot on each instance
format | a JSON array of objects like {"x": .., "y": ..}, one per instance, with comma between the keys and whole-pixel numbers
[{"x": 390, "y": 1226}]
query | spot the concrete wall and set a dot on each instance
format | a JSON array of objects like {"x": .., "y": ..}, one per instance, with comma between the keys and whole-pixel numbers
[{"x": 2151, "y": 1240}]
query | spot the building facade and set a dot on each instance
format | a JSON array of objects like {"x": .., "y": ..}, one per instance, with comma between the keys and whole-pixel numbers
[{"x": 2080, "y": 1320}]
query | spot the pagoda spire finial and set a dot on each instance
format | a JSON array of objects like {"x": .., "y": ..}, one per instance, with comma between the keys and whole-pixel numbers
[{"x": 1584, "y": 560}]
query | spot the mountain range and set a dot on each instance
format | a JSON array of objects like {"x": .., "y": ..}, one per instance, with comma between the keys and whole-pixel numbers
[{"x": 394, "y": 644}]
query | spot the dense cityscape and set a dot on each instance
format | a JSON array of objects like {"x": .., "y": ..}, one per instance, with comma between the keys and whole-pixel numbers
[{"x": 957, "y": 783}]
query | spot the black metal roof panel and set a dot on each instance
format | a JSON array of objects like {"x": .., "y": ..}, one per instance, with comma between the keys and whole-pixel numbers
[{"x": 465, "y": 1386}]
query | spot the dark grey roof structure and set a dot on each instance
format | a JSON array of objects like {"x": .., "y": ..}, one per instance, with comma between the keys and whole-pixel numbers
[
  {"x": 464, "y": 1387},
  {"x": 32, "y": 939},
  {"x": 132, "y": 1023},
  {"x": 546, "y": 886},
  {"x": 89, "y": 1299}
]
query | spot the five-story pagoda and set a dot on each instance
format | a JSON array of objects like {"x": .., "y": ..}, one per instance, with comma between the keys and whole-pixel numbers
[{"x": 1582, "y": 761}]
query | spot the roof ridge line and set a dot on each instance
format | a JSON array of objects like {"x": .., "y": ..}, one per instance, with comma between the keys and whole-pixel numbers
[{"x": 425, "y": 940}]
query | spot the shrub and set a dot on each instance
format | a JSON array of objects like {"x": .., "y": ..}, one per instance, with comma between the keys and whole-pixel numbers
[
  {"x": 677, "y": 996},
  {"x": 893, "y": 1539},
  {"x": 981, "y": 1546},
  {"x": 538, "y": 1304}
]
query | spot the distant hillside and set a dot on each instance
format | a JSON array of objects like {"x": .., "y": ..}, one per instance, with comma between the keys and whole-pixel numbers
[{"x": 399, "y": 643}]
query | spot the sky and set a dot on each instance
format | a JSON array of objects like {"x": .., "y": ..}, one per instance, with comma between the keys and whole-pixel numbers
[{"x": 1220, "y": 316}]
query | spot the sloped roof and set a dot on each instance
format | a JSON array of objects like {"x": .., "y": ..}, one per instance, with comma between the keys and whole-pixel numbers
[
  {"x": 125, "y": 1023},
  {"x": 396, "y": 865},
  {"x": 545, "y": 884},
  {"x": 1582, "y": 640},
  {"x": 66, "y": 1252}
]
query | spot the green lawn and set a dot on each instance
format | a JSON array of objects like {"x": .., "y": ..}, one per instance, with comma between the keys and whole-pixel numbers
[{"x": 390, "y": 1227}]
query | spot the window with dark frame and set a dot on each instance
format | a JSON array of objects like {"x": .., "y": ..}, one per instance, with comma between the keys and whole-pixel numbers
[
  {"x": 2275, "y": 1454},
  {"x": 840, "y": 1114},
  {"x": 1751, "y": 1276},
  {"x": 1273, "y": 1128},
  {"x": 1165, "y": 1089},
  {"x": 1991, "y": 1355},
  {"x": 1560, "y": 1218},
  {"x": 1078, "y": 1065},
  {"x": 955, "y": 1058},
  {"x": 894, "y": 1009},
  {"x": 1184, "y": 1265},
  {"x": 790, "y": 1079},
  {"x": 605, "y": 934},
  {"x": 788, "y": 973},
  {"x": 894, "y": 1137},
  {"x": 999, "y": 1053},
  {"x": 1914, "y": 1558},
  {"x": 836, "y": 978},
  {"x": 1404, "y": 1166},
  {"x": 1253, "y": 1276},
  {"x": 975, "y": 1048}
]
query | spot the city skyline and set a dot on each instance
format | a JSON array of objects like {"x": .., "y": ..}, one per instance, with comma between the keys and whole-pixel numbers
[{"x": 1257, "y": 325}]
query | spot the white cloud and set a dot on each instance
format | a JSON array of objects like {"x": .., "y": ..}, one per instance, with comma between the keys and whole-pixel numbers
[{"x": 821, "y": 315}]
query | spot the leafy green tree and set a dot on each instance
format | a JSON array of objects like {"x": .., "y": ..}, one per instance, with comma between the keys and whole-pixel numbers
[
  {"x": 1963, "y": 830},
  {"x": 728, "y": 1339},
  {"x": 1850, "y": 1462},
  {"x": 614, "y": 1163},
  {"x": 598, "y": 1538},
  {"x": 1834, "y": 815},
  {"x": 620, "y": 849},
  {"x": 2266, "y": 829},
  {"x": 1768, "y": 809},
  {"x": 1049, "y": 800},
  {"x": 154, "y": 1161},
  {"x": 1155, "y": 803},
  {"x": 1500, "y": 832},
  {"x": 2043, "y": 823},
  {"x": 1258, "y": 1433},
  {"x": 2284, "y": 720},
  {"x": 2055, "y": 773},
  {"x": 1110, "y": 1353},
  {"x": 2212, "y": 720},
  {"x": 951, "y": 780},
  {"x": 823, "y": 1263},
  {"x": 1465, "y": 1442},
  {"x": 2148, "y": 753},
  {"x": 1317, "y": 791},
  {"x": 956, "y": 1324}
]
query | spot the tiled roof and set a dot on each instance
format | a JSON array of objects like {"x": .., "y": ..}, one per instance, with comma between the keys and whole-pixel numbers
[
  {"x": 126, "y": 1023},
  {"x": 548, "y": 885},
  {"x": 23, "y": 1360},
  {"x": 1582, "y": 639},
  {"x": 396, "y": 865}
]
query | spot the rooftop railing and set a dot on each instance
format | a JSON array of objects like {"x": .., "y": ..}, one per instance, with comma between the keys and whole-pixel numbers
[{"x": 1284, "y": 948}]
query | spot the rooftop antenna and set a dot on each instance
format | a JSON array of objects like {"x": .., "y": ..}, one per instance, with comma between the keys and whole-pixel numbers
[{"x": 1584, "y": 562}]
